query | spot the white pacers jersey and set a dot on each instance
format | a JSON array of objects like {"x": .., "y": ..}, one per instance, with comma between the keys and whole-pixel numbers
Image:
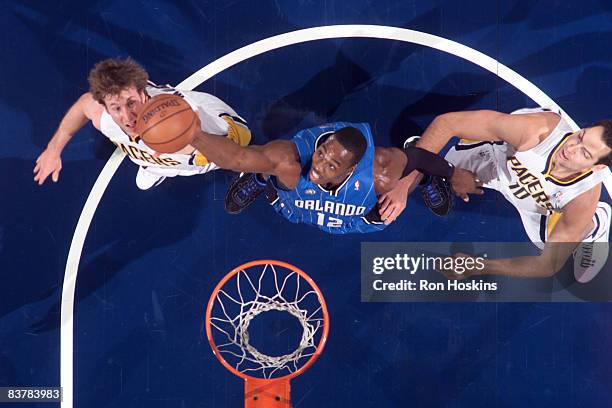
[
  {"x": 526, "y": 182},
  {"x": 524, "y": 177},
  {"x": 210, "y": 110}
]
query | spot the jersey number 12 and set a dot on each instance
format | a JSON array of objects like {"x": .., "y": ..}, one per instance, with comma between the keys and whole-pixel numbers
[{"x": 331, "y": 221}]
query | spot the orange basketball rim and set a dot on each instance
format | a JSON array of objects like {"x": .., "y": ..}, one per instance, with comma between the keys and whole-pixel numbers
[{"x": 251, "y": 289}]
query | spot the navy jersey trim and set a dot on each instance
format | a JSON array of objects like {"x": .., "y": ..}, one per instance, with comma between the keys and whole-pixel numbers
[
  {"x": 322, "y": 138},
  {"x": 305, "y": 170},
  {"x": 548, "y": 168},
  {"x": 553, "y": 151},
  {"x": 543, "y": 223},
  {"x": 334, "y": 192},
  {"x": 372, "y": 222},
  {"x": 571, "y": 182},
  {"x": 236, "y": 118},
  {"x": 597, "y": 225}
]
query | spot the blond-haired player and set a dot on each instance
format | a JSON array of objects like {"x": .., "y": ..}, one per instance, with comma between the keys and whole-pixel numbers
[{"x": 118, "y": 89}]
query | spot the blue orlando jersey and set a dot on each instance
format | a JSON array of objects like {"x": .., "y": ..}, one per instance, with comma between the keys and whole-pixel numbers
[{"x": 341, "y": 210}]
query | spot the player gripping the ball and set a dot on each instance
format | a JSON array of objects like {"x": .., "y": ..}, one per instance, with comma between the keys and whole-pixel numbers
[{"x": 118, "y": 91}]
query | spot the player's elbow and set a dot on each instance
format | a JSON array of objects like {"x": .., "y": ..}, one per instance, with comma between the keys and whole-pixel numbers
[
  {"x": 445, "y": 120},
  {"x": 456, "y": 122},
  {"x": 448, "y": 123},
  {"x": 545, "y": 268},
  {"x": 239, "y": 160},
  {"x": 548, "y": 271}
]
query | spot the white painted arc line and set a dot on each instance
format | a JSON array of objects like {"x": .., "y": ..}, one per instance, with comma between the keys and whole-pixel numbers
[
  {"x": 72, "y": 265},
  {"x": 70, "y": 275},
  {"x": 259, "y": 47},
  {"x": 368, "y": 31},
  {"x": 388, "y": 33}
]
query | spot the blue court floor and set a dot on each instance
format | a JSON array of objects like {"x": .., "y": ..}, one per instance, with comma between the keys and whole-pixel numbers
[{"x": 150, "y": 259}]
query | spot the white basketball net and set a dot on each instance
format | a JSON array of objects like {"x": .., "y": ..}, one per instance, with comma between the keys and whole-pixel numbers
[{"x": 290, "y": 293}]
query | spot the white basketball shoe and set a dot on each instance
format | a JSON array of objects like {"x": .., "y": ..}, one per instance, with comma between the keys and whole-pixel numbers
[{"x": 591, "y": 255}]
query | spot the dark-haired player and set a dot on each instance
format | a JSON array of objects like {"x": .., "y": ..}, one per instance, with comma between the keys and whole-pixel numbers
[
  {"x": 117, "y": 90},
  {"x": 551, "y": 174},
  {"x": 329, "y": 176}
]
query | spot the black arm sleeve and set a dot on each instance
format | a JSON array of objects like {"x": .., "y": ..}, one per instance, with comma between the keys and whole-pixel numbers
[{"x": 427, "y": 163}]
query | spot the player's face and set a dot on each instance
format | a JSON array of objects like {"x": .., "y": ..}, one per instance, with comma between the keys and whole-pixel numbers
[
  {"x": 582, "y": 150},
  {"x": 331, "y": 163},
  {"x": 124, "y": 108}
]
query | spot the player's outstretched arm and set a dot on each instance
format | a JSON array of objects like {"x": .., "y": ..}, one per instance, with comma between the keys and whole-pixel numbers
[
  {"x": 521, "y": 131},
  {"x": 571, "y": 229},
  {"x": 278, "y": 157},
  {"x": 49, "y": 162}
]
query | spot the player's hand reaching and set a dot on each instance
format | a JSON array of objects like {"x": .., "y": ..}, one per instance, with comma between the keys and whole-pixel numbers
[
  {"x": 393, "y": 202},
  {"x": 464, "y": 182},
  {"x": 48, "y": 163}
]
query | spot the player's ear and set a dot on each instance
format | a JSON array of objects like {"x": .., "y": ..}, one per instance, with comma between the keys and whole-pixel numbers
[{"x": 599, "y": 167}]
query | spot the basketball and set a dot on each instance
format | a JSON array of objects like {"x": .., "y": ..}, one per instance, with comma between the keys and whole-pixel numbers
[{"x": 165, "y": 123}]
